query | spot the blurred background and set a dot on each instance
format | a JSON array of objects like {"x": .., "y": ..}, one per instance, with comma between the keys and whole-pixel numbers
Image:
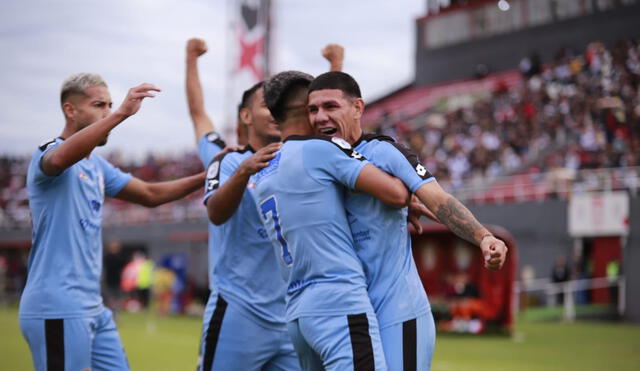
[{"x": 528, "y": 111}]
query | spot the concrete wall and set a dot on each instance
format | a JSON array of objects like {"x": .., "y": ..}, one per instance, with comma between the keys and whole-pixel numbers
[
  {"x": 504, "y": 52},
  {"x": 539, "y": 229}
]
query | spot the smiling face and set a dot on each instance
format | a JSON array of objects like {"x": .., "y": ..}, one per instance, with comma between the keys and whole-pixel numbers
[{"x": 334, "y": 114}]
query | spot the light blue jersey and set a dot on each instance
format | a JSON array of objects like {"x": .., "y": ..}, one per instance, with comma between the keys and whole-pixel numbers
[
  {"x": 65, "y": 261},
  {"x": 301, "y": 197},
  {"x": 243, "y": 263},
  {"x": 381, "y": 238},
  {"x": 208, "y": 147}
]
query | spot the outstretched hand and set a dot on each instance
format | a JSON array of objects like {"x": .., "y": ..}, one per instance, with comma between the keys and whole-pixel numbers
[
  {"x": 196, "y": 47},
  {"x": 260, "y": 159},
  {"x": 494, "y": 252},
  {"x": 133, "y": 100}
]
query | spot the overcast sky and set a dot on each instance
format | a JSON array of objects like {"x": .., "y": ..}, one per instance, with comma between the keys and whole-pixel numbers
[{"x": 134, "y": 41}]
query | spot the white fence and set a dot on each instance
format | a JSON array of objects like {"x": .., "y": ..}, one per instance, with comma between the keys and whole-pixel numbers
[
  {"x": 569, "y": 289},
  {"x": 560, "y": 183}
]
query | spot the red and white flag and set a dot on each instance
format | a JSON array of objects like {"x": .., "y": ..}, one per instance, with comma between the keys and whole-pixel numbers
[{"x": 248, "y": 48}]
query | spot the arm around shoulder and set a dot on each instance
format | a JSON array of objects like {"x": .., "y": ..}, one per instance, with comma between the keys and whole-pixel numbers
[{"x": 383, "y": 186}]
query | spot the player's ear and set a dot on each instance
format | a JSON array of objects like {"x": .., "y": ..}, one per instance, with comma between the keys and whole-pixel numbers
[
  {"x": 358, "y": 104},
  {"x": 68, "y": 109},
  {"x": 245, "y": 116}
]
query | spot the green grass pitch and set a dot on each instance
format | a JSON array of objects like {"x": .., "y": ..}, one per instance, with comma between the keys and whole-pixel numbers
[{"x": 170, "y": 343}]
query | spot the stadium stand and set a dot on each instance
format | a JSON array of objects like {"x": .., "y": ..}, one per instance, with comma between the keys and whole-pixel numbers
[
  {"x": 537, "y": 132},
  {"x": 538, "y": 125}
]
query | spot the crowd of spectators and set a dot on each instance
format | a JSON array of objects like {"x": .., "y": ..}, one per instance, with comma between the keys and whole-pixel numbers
[
  {"x": 14, "y": 204},
  {"x": 578, "y": 111}
]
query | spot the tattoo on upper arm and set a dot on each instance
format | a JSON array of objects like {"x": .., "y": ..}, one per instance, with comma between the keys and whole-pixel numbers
[{"x": 459, "y": 219}]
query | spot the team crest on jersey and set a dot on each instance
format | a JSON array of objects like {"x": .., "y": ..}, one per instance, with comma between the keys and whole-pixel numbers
[
  {"x": 84, "y": 177},
  {"x": 341, "y": 143}
]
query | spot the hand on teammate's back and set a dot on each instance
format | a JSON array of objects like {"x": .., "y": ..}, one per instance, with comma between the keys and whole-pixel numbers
[
  {"x": 133, "y": 100},
  {"x": 494, "y": 252},
  {"x": 196, "y": 47},
  {"x": 260, "y": 159}
]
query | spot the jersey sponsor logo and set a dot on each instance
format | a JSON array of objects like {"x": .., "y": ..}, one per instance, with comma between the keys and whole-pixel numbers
[
  {"x": 362, "y": 236},
  {"x": 86, "y": 224},
  {"x": 262, "y": 233},
  {"x": 95, "y": 206}
]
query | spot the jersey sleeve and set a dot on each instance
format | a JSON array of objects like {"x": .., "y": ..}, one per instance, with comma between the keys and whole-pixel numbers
[
  {"x": 402, "y": 163},
  {"x": 209, "y": 146},
  {"x": 218, "y": 172},
  {"x": 39, "y": 176},
  {"x": 333, "y": 160},
  {"x": 114, "y": 178}
]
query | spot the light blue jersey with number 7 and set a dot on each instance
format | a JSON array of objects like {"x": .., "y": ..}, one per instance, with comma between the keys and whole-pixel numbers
[{"x": 300, "y": 197}]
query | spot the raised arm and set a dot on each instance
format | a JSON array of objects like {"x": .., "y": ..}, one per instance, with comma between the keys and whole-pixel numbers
[
  {"x": 383, "y": 186},
  {"x": 334, "y": 53},
  {"x": 459, "y": 219},
  {"x": 202, "y": 124},
  {"x": 155, "y": 194},
  {"x": 225, "y": 201},
  {"x": 80, "y": 144}
]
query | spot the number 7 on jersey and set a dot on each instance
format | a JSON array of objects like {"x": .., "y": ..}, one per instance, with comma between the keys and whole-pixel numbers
[{"x": 269, "y": 209}]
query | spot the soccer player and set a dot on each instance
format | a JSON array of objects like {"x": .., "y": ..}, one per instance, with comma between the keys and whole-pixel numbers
[
  {"x": 244, "y": 326},
  {"x": 62, "y": 316},
  {"x": 380, "y": 233},
  {"x": 301, "y": 198}
]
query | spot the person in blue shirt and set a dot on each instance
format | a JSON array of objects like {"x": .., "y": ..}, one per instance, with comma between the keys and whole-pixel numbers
[
  {"x": 380, "y": 233},
  {"x": 300, "y": 196},
  {"x": 243, "y": 324},
  {"x": 62, "y": 316}
]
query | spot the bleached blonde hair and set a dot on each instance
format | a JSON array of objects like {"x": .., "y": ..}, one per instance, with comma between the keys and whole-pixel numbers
[{"x": 77, "y": 83}]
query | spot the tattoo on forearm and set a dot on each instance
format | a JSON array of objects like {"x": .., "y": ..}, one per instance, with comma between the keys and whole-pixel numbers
[{"x": 459, "y": 219}]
